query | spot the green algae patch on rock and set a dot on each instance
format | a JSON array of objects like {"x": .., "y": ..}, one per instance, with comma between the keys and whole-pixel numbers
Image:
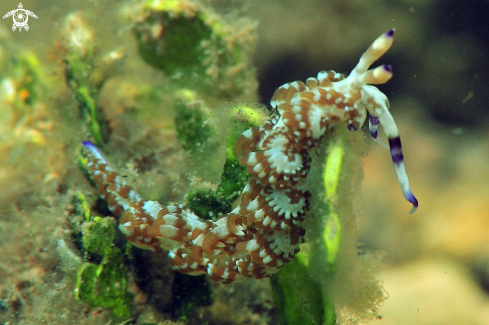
[
  {"x": 195, "y": 46},
  {"x": 105, "y": 285},
  {"x": 86, "y": 73},
  {"x": 98, "y": 235},
  {"x": 209, "y": 203},
  {"x": 192, "y": 125}
]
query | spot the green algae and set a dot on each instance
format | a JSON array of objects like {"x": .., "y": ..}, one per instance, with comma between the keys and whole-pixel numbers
[
  {"x": 299, "y": 295},
  {"x": 212, "y": 203},
  {"x": 105, "y": 285},
  {"x": 181, "y": 53},
  {"x": 82, "y": 76},
  {"x": 27, "y": 73},
  {"x": 101, "y": 284},
  {"x": 191, "y": 123},
  {"x": 20, "y": 92},
  {"x": 207, "y": 203},
  {"x": 193, "y": 45}
]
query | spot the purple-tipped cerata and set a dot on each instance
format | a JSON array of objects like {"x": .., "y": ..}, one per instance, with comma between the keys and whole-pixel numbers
[
  {"x": 387, "y": 67},
  {"x": 88, "y": 144},
  {"x": 411, "y": 198},
  {"x": 93, "y": 148},
  {"x": 390, "y": 33},
  {"x": 396, "y": 150},
  {"x": 373, "y": 125}
]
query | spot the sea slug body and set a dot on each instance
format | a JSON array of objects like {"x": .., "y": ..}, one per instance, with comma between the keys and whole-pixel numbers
[{"x": 264, "y": 231}]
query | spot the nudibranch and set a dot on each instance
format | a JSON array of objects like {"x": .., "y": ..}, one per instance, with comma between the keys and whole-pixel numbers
[{"x": 264, "y": 231}]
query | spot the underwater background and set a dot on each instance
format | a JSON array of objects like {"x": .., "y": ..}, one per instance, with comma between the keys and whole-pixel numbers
[{"x": 163, "y": 113}]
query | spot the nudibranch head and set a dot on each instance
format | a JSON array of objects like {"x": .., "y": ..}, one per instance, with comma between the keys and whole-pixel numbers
[{"x": 309, "y": 109}]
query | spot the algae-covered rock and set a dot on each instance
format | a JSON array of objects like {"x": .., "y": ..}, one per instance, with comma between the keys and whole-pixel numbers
[
  {"x": 20, "y": 108},
  {"x": 82, "y": 77},
  {"x": 105, "y": 285},
  {"x": 208, "y": 203},
  {"x": 191, "y": 123},
  {"x": 101, "y": 284},
  {"x": 195, "y": 46}
]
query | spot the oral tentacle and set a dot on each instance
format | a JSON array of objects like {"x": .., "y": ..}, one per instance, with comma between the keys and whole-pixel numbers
[
  {"x": 377, "y": 76},
  {"x": 374, "y": 52}
]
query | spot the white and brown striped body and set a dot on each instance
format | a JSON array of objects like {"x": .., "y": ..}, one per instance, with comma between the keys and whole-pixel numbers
[{"x": 264, "y": 231}]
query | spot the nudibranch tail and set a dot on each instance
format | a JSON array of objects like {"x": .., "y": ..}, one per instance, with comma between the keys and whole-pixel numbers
[
  {"x": 112, "y": 188},
  {"x": 254, "y": 240},
  {"x": 92, "y": 150}
]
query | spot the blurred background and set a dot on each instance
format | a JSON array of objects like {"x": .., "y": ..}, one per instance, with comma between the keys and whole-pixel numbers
[{"x": 436, "y": 264}]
